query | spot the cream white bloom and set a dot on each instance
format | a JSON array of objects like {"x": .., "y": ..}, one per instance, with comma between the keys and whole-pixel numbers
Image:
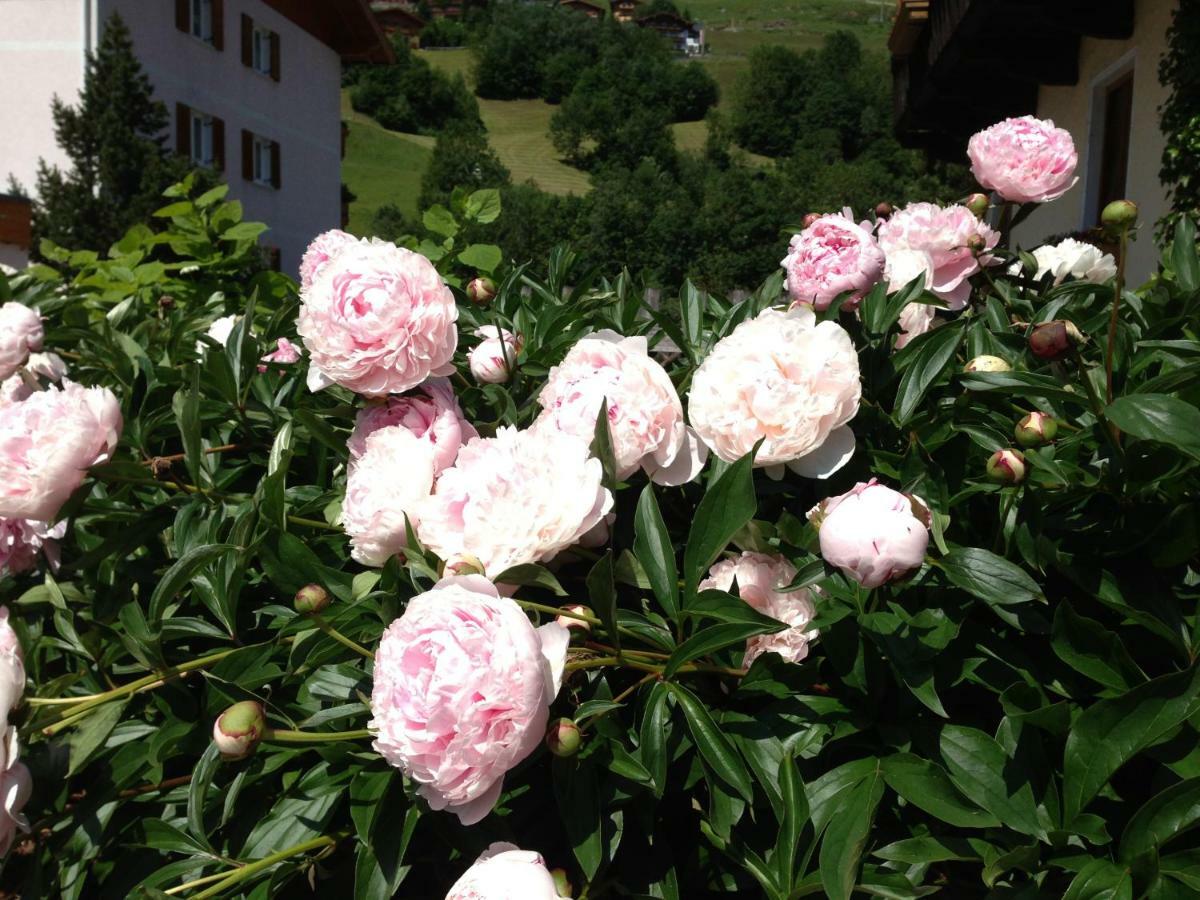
[
  {"x": 1074, "y": 259},
  {"x": 15, "y": 787},
  {"x": 505, "y": 872}
]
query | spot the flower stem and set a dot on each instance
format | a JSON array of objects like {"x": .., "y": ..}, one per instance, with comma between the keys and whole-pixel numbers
[
  {"x": 339, "y": 637},
  {"x": 285, "y": 736},
  {"x": 555, "y": 611},
  {"x": 1110, "y": 430},
  {"x": 1118, "y": 289},
  {"x": 313, "y": 523},
  {"x": 243, "y": 872}
]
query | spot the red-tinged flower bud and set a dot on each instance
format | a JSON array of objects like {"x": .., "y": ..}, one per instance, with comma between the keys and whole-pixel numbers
[
  {"x": 884, "y": 210},
  {"x": 976, "y": 244},
  {"x": 1120, "y": 215},
  {"x": 1006, "y": 467},
  {"x": 580, "y": 629},
  {"x": 987, "y": 364},
  {"x": 1036, "y": 429},
  {"x": 166, "y": 302},
  {"x": 810, "y": 218},
  {"x": 1054, "y": 340},
  {"x": 978, "y": 204},
  {"x": 562, "y": 884},
  {"x": 311, "y": 599},
  {"x": 563, "y": 738},
  {"x": 481, "y": 290},
  {"x": 238, "y": 730}
]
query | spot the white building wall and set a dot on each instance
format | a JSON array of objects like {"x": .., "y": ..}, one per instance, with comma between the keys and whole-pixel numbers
[{"x": 1078, "y": 109}]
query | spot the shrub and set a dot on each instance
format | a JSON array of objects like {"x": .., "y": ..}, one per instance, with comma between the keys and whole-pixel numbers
[
  {"x": 411, "y": 96},
  {"x": 444, "y": 33}
]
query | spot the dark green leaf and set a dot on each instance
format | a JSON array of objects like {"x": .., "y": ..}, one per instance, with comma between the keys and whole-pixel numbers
[
  {"x": 981, "y": 769},
  {"x": 1101, "y": 880},
  {"x": 927, "y": 786},
  {"x": 656, "y": 553},
  {"x": 1164, "y": 816},
  {"x": 989, "y": 577},
  {"x": 1089, "y": 647},
  {"x": 1158, "y": 417},
  {"x": 715, "y": 747},
  {"x": 928, "y": 357},
  {"x": 729, "y": 504},
  {"x": 1183, "y": 255},
  {"x": 602, "y": 592},
  {"x": 176, "y": 578},
  {"x": 846, "y": 837}
]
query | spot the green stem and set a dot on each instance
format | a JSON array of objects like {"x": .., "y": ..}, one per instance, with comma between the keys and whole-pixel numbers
[
  {"x": 314, "y": 523},
  {"x": 339, "y": 637},
  {"x": 555, "y": 611},
  {"x": 244, "y": 872},
  {"x": 1110, "y": 430},
  {"x": 1118, "y": 290},
  {"x": 286, "y": 736}
]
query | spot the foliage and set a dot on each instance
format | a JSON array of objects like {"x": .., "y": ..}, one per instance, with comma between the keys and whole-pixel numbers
[
  {"x": 444, "y": 33},
  {"x": 410, "y": 95},
  {"x": 461, "y": 158},
  {"x": 1179, "y": 72},
  {"x": 115, "y": 141}
]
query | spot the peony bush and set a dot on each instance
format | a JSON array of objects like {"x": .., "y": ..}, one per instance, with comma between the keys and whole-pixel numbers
[{"x": 439, "y": 576}]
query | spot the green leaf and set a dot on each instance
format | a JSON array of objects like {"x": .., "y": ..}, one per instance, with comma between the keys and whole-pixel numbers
[
  {"x": 791, "y": 827},
  {"x": 714, "y": 638},
  {"x": 202, "y": 775},
  {"x": 989, "y": 577},
  {"x": 691, "y": 308},
  {"x": 602, "y": 448},
  {"x": 1183, "y": 255},
  {"x": 243, "y": 231},
  {"x": 1101, "y": 879},
  {"x": 1026, "y": 384},
  {"x": 981, "y": 769},
  {"x": 652, "y": 736},
  {"x": 928, "y": 357},
  {"x": 484, "y": 257},
  {"x": 176, "y": 578},
  {"x": 483, "y": 206},
  {"x": 714, "y": 746},
  {"x": 441, "y": 221},
  {"x": 728, "y": 504},
  {"x": 656, "y": 553},
  {"x": 89, "y": 736},
  {"x": 299, "y": 815},
  {"x": 1158, "y": 417},
  {"x": 531, "y": 575},
  {"x": 1111, "y": 732},
  {"x": 577, "y": 792},
  {"x": 1164, "y": 816},
  {"x": 602, "y": 592},
  {"x": 846, "y": 837},
  {"x": 1094, "y": 650},
  {"x": 927, "y": 786},
  {"x": 930, "y": 849},
  {"x": 186, "y": 406}
]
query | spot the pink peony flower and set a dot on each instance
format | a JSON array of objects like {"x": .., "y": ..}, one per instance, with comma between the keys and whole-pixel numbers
[
  {"x": 324, "y": 247},
  {"x": 463, "y": 687},
  {"x": 391, "y": 478},
  {"x": 431, "y": 413},
  {"x": 284, "y": 354},
  {"x": 15, "y": 787},
  {"x": 493, "y": 359},
  {"x": 759, "y": 578},
  {"x": 833, "y": 256},
  {"x": 377, "y": 320},
  {"x": 519, "y": 497},
  {"x": 22, "y": 539},
  {"x": 915, "y": 319},
  {"x": 645, "y": 417},
  {"x": 14, "y": 389},
  {"x": 12, "y": 670},
  {"x": 504, "y": 872},
  {"x": 786, "y": 379},
  {"x": 872, "y": 533},
  {"x": 926, "y": 238},
  {"x": 47, "y": 443},
  {"x": 1025, "y": 160},
  {"x": 20, "y": 334},
  {"x": 50, "y": 366}
]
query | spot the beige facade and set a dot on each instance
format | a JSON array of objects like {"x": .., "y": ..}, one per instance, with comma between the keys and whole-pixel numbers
[{"x": 1081, "y": 110}]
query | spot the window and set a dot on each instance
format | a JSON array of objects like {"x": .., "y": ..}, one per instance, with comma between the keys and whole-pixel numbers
[
  {"x": 260, "y": 48},
  {"x": 261, "y": 59},
  {"x": 1110, "y": 131},
  {"x": 263, "y": 172},
  {"x": 260, "y": 159},
  {"x": 200, "y": 137},
  {"x": 202, "y": 20}
]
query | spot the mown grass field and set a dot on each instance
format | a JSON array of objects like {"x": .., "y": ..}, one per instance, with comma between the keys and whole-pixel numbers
[{"x": 385, "y": 166}]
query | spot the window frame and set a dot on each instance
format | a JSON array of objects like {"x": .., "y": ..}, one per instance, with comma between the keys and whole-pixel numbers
[
  {"x": 1123, "y": 68},
  {"x": 262, "y": 168},
  {"x": 202, "y": 130},
  {"x": 261, "y": 50},
  {"x": 200, "y": 21}
]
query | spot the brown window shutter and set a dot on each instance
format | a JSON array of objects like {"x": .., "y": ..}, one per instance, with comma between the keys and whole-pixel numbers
[
  {"x": 218, "y": 144},
  {"x": 247, "y": 40},
  {"x": 345, "y": 135},
  {"x": 183, "y": 15},
  {"x": 183, "y": 130},
  {"x": 218, "y": 24},
  {"x": 276, "y": 180},
  {"x": 275, "y": 55},
  {"x": 247, "y": 155}
]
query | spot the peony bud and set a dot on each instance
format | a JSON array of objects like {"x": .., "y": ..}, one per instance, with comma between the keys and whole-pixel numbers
[
  {"x": 1006, "y": 467},
  {"x": 978, "y": 204},
  {"x": 1120, "y": 215},
  {"x": 562, "y": 883},
  {"x": 481, "y": 291},
  {"x": 976, "y": 244},
  {"x": 872, "y": 533},
  {"x": 563, "y": 738},
  {"x": 809, "y": 219},
  {"x": 311, "y": 599},
  {"x": 166, "y": 302},
  {"x": 493, "y": 359},
  {"x": 462, "y": 564},
  {"x": 884, "y": 210},
  {"x": 579, "y": 628},
  {"x": 239, "y": 729},
  {"x": 1054, "y": 340},
  {"x": 987, "y": 364},
  {"x": 1036, "y": 429}
]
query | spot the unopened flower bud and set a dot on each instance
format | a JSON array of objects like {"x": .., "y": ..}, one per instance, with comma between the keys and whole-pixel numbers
[
  {"x": 884, "y": 210},
  {"x": 810, "y": 218},
  {"x": 1120, "y": 215},
  {"x": 1036, "y": 429},
  {"x": 978, "y": 204},
  {"x": 166, "y": 301},
  {"x": 1054, "y": 340},
  {"x": 311, "y": 599},
  {"x": 976, "y": 244},
  {"x": 481, "y": 290},
  {"x": 580, "y": 629},
  {"x": 563, "y": 738},
  {"x": 1006, "y": 467},
  {"x": 987, "y": 364},
  {"x": 562, "y": 884},
  {"x": 463, "y": 564},
  {"x": 239, "y": 729}
]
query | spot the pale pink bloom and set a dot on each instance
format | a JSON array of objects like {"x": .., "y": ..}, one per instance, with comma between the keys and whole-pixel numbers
[
  {"x": 645, "y": 416},
  {"x": 16, "y": 785},
  {"x": 463, "y": 687},
  {"x": 20, "y": 334},
  {"x": 519, "y": 497},
  {"x": 391, "y": 479},
  {"x": 431, "y": 413},
  {"x": 219, "y": 331},
  {"x": 15, "y": 388},
  {"x": 832, "y": 256},
  {"x": 1072, "y": 259},
  {"x": 1025, "y": 160},
  {"x": 12, "y": 670},
  {"x": 504, "y": 872},
  {"x": 323, "y": 248},
  {"x": 22, "y": 539},
  {"x": 377, "y": 319},
  {"x": 872, "y": 533},
  {"x": 934, "y": 240},
  {"x": 493, "y": 359},
  {"x": 759, "y": 577},
  {"x": 284, "y": 354},
  {"x": 48, "y": 442},
  {"x": 915, "y": 320},
  {"x": 50, "y": 366},
  {"x": 783, "y": 378}
]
